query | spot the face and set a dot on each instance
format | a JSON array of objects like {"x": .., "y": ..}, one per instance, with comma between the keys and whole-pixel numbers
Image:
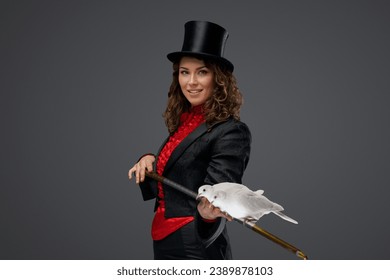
[
  {"x": 205, "y": 191},
  {"x": 196, "y": 80}
]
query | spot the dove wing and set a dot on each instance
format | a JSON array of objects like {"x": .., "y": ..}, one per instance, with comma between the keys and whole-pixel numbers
[
  {"x": 257, "y": 202},
  {"x": 229, "y": 187},
  {"x": 245, "y": 204}
]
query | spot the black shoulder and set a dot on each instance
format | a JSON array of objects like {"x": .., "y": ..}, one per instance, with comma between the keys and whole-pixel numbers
[{"x": 231, "y": 125}]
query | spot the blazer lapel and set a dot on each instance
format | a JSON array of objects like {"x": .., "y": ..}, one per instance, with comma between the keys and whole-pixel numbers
[{"x": 179, "y": 150}]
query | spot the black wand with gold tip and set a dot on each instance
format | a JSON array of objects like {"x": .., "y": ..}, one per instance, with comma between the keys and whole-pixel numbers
[{"x": 247, "y": 224}]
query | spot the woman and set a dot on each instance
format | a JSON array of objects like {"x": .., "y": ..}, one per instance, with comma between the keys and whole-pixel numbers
[{"x": 207, "y": 145}]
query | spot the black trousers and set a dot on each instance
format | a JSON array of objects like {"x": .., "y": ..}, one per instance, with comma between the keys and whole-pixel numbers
[{"x": 184, "y": 244}]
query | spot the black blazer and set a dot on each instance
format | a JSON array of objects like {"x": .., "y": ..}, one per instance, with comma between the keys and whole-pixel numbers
[{"x": 208, "y": 155}]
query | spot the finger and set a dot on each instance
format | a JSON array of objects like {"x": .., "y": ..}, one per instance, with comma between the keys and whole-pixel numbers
[
  {"x": 202, "y": 203},
  {"x": 207, "y": 204},
  {"x": 131, "y": 171},
  {"x": 137, "y": 173},
  {"x": 203, "y": 200},
  {"x": 203, "y": 208},
  {"x": 146, "y": 165},
  {"x": 142, "y": 172},
  {"x": 149, "y": 166},
  {"x": 130, "y": 174},
  {"x": 227, "y": 216},
  {"x": 218, "y": 213}
]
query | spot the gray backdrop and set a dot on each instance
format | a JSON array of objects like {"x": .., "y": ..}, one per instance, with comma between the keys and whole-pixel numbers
[{"x": 83, "y": 87}]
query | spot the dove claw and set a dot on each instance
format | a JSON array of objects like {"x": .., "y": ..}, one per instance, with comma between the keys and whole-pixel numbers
[{"x": 249, "y": 220}]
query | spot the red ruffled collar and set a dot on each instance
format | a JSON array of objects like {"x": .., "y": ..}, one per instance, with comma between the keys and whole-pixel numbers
[{"x": 194, "y": 111}]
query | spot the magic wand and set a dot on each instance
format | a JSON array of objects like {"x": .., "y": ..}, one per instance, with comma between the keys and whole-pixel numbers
[{"x": 247, "y": 224}]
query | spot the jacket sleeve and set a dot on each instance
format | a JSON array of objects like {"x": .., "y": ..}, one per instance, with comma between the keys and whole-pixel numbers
[
  {"x": 148, "y": 189},
  {"x": 208, "y": 232},
  {"x": 230, "y": 152}
]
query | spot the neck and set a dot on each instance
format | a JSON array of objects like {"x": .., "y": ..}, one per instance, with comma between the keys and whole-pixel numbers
[{"x": 197, "y": 109}]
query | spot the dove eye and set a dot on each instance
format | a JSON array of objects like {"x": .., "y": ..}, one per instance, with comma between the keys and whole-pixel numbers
[
  {"x": 215, "y": 196},
  {"x": 204, "y": 190}
]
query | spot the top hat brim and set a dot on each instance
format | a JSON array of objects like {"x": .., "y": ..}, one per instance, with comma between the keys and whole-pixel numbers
[{"x": 176, "y": 56}]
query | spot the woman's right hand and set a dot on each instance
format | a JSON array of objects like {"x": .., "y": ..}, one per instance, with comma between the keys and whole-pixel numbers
[{"x": 145, "y": 163}]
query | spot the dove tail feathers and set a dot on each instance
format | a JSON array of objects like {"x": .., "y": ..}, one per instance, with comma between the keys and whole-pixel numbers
[
  {"x": 285, "y": 217},
  {"x": 259, "y": 192}
]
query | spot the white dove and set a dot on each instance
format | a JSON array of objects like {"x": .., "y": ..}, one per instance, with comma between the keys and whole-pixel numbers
[{"x": 240, "y": 202}]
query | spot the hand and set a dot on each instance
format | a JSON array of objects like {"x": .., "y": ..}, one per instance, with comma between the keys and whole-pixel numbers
[
  {"x": 145, "y": 163},
  {"x": 209, "y": 212}
]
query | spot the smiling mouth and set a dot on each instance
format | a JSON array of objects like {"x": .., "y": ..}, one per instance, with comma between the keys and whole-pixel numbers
[{"x": 194, "y": 92}]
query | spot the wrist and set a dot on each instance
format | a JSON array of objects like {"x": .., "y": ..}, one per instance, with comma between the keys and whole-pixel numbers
[{"x": 144, "y": 155}]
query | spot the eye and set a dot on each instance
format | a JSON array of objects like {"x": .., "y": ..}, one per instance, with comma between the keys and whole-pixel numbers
[
  {"x": 183, "y": 72},
  {"x": 204, "y": 190},
  {"x": 203, "y": 72},
  {"x": 215, "y": 196}
]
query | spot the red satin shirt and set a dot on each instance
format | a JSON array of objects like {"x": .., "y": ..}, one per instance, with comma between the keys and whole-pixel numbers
[{"x": 162, "y": 227}]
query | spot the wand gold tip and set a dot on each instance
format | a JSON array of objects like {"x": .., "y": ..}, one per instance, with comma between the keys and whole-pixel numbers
[{"x": 302, "y": 255}]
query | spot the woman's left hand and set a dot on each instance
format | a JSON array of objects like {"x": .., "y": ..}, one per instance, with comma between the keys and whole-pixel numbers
[{"x": 209, "y": 212}]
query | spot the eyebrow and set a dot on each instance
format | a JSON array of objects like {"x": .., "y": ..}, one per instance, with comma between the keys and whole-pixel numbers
[{"x": 204, "y": 66}]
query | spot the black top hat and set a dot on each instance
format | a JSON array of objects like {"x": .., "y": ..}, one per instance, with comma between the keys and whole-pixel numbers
[{"x": 204, "y": 39}]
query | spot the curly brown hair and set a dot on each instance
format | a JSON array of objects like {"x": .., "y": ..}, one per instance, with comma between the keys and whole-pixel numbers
[{"x": 224, "y": 103}]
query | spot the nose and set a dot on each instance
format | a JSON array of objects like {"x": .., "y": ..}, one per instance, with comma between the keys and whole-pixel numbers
[{"x": 193, "y": 80}]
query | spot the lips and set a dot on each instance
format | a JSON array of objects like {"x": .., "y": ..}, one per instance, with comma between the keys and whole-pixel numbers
[{"x": 194, "y": 91}]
